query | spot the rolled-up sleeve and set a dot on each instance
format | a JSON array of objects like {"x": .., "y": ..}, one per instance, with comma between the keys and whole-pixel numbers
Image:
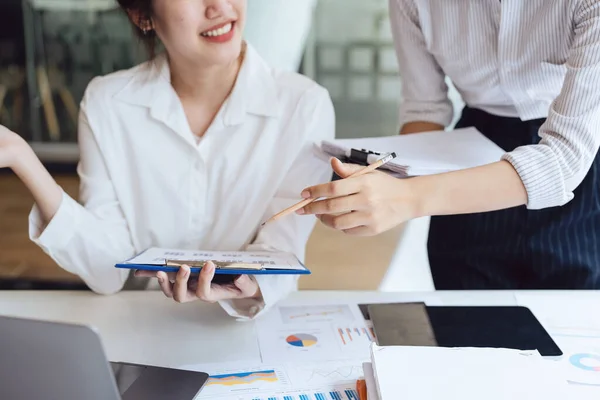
[
  {"x": 424, "y": 89},
  {"x": 316, "y": 117},
  {"x": 570, "y": 137}
]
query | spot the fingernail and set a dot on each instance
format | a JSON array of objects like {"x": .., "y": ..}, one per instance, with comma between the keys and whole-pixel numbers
[
  {"x": 306, "y": 194},
  {"x": 300, "y": 211}
]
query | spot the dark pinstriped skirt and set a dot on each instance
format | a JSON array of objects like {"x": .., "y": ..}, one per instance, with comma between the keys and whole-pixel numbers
[{"x": 555, "y": 248}]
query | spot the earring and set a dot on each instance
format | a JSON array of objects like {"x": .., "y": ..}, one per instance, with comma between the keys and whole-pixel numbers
[{"x": 147, "y": 26}]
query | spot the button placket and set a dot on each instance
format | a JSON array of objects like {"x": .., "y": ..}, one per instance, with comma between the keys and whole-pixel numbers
[
  {"x": 503, "y": 52},
  {"x": 197, "y": 201}
]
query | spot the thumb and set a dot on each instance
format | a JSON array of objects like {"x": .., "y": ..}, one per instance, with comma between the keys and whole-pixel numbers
[{"x": 344, "y": 170}]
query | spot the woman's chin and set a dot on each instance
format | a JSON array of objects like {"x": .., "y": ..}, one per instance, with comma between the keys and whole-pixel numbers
[{"x": 223, "y": 54}]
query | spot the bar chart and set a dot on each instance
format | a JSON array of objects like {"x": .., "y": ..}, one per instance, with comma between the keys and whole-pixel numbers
[{"x": 329, "y": 394}]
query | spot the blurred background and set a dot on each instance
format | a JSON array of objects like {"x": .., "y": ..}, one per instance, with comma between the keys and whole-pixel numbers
[{"x": 51, "y": 49}]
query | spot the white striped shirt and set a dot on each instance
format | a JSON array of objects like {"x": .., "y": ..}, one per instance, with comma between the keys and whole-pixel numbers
[{"x": 516, "y": 58}]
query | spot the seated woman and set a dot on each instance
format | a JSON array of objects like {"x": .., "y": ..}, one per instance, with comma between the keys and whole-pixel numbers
[{"x": 191, "y": 150}]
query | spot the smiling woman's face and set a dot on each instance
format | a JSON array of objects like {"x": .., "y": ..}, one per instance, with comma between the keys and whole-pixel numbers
[{"x": 207, "y": 32}]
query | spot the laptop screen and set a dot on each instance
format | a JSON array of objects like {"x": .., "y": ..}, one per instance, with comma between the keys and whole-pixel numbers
[{"x": 125, "y": 375}]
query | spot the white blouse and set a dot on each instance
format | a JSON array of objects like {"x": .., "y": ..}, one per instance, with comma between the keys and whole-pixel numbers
[{"x": 146, "y": 182}]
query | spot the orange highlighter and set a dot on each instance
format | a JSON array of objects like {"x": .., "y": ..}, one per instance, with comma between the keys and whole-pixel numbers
[{"x": 361, "y": 388}]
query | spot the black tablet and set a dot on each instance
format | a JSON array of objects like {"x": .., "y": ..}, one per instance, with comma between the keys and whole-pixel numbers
[{"x": 512, "y": 327}]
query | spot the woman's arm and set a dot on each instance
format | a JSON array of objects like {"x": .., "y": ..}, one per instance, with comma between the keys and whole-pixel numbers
[
  {"x": 44, "y": 189},
  {"x": 376, "y": 202},
  {"x": 86, "y": 241},
  {"x": 16, "y": 154},
  {"x": 419, "y": 127},
  {"x": 424, "y": 105}
]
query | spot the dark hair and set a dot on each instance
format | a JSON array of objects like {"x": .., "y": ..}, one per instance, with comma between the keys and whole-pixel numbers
[{"x": 144, "y": 9}]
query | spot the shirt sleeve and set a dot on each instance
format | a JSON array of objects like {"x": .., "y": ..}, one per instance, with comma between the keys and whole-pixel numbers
[
  {"x": 87, "y": 240},
  {"x": 424, "y": 88},
  {"x": 290, "y": 234},
  {"x": 570, "y": 137}
]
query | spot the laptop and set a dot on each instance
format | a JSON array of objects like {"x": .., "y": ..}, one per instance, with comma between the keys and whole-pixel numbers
[{"x": 49, "y": 360}]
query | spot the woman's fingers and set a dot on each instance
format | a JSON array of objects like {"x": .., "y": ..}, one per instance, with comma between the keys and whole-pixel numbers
[
  {"x": 180, "y": 288},
  {"x": 154, "y": 274},
  {"x": 342, "y": 187},
  {"x": 183, "y": 289},
  {"x": 346, "y": 221},
  {"x": 139, "y": 273},
  {"x": 165, "y": 284},
  {"x": 204, "y": 289},
  {"x": 333, "y": 206}
]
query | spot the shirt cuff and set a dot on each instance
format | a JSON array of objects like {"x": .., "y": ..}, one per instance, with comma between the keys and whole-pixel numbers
[
  {"x": 273, "y": 288},
  {"x": 60, "y": 230},
  {"x": 437, "y": 113},
  {"x": 541, "y": 175},
  {"x": 243, "y": 309}
]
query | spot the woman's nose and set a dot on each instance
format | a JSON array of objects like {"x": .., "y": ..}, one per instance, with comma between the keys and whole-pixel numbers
[{"x": 218, "y": 9}]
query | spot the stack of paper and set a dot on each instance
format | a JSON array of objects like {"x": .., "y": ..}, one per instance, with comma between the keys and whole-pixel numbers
[
  {"x": 474, "y": 373},
  {"x": 425, "y": 153}
]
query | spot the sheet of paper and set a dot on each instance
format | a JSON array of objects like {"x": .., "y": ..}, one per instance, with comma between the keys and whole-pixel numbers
[
  {"x": 581, "y": 359},
  {"x": 427, "y": 153},
  {"x": 563, "y": 311},
  {"x": 294, "y": 381},
  {"x": 157, "y": 256},
  {"x": 493, "y": 374},
  {"x": 314, "y": 333},
  {"x": 372, "y": 393},
  {"x": 574, "y": 325}
]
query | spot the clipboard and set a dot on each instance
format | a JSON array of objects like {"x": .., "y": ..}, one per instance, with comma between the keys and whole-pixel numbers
[{"x": 227, "y": 263}]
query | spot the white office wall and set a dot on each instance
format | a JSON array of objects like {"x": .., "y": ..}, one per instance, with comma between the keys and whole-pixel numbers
[{"x": 278, "y": 29}]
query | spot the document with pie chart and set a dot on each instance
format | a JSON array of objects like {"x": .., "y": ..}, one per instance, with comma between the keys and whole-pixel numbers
[
  {"x": 313, "y": 333},
  {"x": 297, "y": 344}
]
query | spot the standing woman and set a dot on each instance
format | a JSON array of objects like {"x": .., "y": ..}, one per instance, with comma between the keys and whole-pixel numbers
[
  {"x": 191, "y": 150},
  {"x": 529, "y": 72}
]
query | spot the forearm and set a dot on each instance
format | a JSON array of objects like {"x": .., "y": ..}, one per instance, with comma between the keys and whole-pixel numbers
[
  {"x": 487, "y": 188},
  {"x": 420, "y": 126},
  {"x": 44, "y": 189}
]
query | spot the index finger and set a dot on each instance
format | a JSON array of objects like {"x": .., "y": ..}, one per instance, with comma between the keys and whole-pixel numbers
[{"x": 342, "y": 187}]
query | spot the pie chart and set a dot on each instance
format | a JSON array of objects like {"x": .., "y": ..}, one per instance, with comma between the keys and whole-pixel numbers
[
  {"x": 586, "y": 362},
  {"x": 301, "y": 340}
]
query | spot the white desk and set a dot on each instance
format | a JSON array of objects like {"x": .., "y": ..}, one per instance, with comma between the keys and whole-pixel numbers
[{"x": 145, "y": 327}]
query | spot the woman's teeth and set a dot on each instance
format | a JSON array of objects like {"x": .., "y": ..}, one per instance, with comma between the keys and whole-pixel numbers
[{"x": 219, "y": 32}]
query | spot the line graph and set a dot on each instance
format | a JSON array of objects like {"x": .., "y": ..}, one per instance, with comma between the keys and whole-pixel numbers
[
  {"x": 341, "y": 373},
  {"x": 328, "y": 373},
  {"x": 337, "y": 313}
]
